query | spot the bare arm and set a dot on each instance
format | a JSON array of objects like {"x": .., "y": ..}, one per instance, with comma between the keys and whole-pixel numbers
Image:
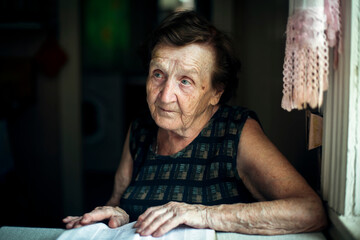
[
  {"x": 123, "y": 174},
  {"x": 288, "y": 204}
]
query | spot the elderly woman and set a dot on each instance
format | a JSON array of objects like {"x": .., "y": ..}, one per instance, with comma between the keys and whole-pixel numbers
[{"x": 196, "y": 160}]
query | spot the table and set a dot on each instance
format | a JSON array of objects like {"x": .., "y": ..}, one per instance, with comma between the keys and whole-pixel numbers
[{"x": 18, "y": 233}]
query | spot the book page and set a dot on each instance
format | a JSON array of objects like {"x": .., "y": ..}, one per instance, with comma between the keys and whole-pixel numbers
[{"x": 127, "y": 232}]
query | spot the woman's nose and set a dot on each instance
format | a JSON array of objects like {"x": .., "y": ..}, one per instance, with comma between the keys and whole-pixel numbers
[{"x": 167, "y": 94}]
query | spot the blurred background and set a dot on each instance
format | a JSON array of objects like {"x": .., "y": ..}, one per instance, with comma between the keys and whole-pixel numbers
[{"x": 71, "y": 81}]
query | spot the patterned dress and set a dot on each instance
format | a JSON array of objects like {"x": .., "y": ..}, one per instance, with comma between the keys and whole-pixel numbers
[{"x": 204, "y": 172}]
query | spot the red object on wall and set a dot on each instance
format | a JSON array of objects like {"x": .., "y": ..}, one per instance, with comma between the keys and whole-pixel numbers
[{"x": 51, "y": 57}]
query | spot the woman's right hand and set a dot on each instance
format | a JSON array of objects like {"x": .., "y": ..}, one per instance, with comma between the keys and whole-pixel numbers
[{"x": 117, "y": 217}]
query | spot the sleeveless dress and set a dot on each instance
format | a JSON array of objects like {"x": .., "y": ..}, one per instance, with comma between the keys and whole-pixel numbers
[{"x": 204, "y": 172}]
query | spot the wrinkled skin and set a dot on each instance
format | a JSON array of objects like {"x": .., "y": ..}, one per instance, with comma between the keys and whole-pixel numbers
[
  {"x": 117, "y": 217},
  {"x": 180, "y": 96},
  {"x": 157, "y": 221},
  {"x": 181, "y": 101}
]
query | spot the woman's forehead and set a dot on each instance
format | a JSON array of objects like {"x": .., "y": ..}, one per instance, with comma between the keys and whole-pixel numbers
[
  {"x": 197, "y": 56},
  {"x": 172, "y": 64}
]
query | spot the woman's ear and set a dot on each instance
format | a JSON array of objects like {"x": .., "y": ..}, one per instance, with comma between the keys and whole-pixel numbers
[{"x": 216, "y": 96}]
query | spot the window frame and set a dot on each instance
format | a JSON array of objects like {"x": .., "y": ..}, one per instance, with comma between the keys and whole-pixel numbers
[{"x": 340, "y": 176}]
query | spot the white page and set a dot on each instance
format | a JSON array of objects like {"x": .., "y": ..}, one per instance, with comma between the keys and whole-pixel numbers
[{"x": 127, "y": 232}]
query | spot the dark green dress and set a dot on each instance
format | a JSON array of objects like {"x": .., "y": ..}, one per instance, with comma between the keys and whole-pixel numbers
[{"x": 204, "y": 172}]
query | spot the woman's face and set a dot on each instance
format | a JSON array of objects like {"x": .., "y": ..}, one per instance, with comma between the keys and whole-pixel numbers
[{"x": 179, "y": 91}]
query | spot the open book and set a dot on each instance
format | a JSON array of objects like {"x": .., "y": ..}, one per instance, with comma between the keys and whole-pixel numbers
[{"x": 127, "y": 232}]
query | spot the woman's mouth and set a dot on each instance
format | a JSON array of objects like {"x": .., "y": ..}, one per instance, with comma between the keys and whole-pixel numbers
[{"x": 165, "y": 110}]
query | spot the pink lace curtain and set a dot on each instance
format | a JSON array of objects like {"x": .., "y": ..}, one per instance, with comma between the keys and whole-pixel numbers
[{"x": 312, "y": 28}]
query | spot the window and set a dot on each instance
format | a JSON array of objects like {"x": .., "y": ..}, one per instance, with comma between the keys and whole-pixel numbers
[{"x": 341, "y": 145}]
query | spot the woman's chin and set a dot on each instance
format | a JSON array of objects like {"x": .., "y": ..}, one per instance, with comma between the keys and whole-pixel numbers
[{"x": 167, "y": 124}]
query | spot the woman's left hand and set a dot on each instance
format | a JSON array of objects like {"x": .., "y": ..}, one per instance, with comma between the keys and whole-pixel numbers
[{"x": 157, "y": 221}]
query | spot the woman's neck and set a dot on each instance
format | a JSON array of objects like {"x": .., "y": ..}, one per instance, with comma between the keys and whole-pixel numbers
[{"x": 170, "y": 142}]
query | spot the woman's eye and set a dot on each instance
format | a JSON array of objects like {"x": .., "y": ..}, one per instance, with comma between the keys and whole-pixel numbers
[
  {"x": 185, "y": 82},
  {"x": 158, "y": 75}
]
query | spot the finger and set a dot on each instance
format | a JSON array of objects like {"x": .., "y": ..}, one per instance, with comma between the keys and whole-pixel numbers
[
  {"x": 78, "y": 224},
  {"x": 144, "y": 217},
  {"x": 156, "y": 223},
  {"x": 148, "y": 217},
  {"x": 69, "y": 225},
  {"x": 69, "y": 218},
  {"x": 98, "y": 214},
  {"x": 117, "y": 221},
  {"x": 167, "y": 226},
  {"x": 114, "y": 222},
  {"x": 72, "y": 223}
]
